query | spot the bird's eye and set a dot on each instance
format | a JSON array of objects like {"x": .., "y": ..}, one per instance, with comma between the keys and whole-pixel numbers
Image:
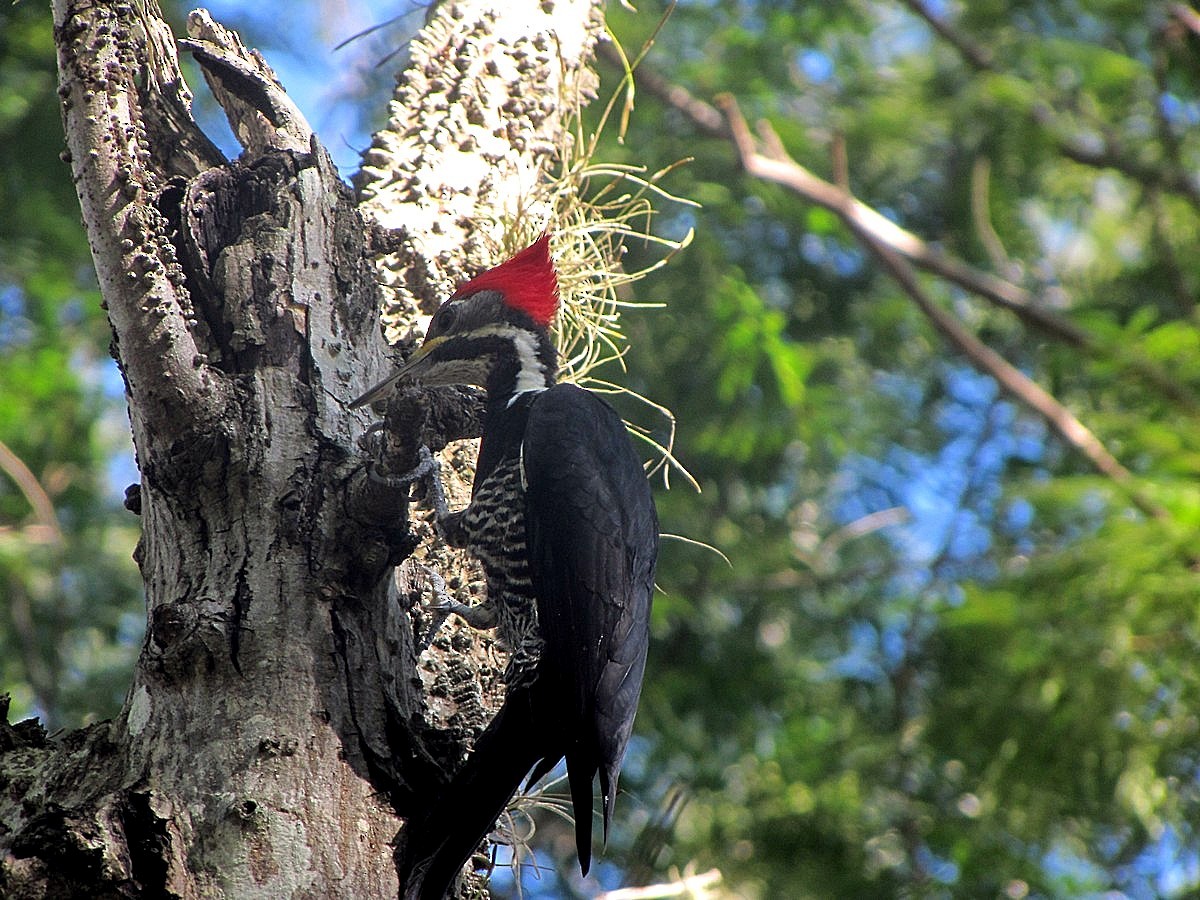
[{"x": 444, "y": 320}]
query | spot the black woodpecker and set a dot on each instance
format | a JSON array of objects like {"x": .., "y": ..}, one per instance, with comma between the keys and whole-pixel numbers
[{"x": 562, "y": 520}]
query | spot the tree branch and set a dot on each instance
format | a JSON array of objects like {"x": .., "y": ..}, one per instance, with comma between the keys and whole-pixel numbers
[
  {"x": 1185, "y": 16},
  {"x": 981, "y": 170},
  {"x": 894, "y": 247},
  {"x": 978, "y": 56},
  {"x": 261, "y": 114},
  {"x": 984, "y": 284},
  {"x": 687, "y": 884},
  {"x": 989, "y": 287},
  {"x": 43, "y": 507},
  {"x": 113, "y": 160},
  {"x": 1112, "y": 155},
  {"x": 786, "y": 172}
]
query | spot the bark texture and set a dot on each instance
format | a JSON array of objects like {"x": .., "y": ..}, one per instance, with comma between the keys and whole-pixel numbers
[{"x": 280, "y": 725}]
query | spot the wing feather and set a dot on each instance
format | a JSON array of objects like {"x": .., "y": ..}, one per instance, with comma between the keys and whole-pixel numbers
[{"x": 592, "y": 536}]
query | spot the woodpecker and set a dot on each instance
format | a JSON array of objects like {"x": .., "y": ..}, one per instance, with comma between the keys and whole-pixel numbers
[{"x": 562, "y": 520}]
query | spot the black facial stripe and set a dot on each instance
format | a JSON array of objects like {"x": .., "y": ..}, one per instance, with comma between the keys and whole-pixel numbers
[{"x": 466, "y": 347}]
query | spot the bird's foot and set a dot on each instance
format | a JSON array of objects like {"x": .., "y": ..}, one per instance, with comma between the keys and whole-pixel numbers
[
  {"x": 439, "y": 608},
  {"x": 481, "y": 616},
  {"x": 426, "y": 467}
]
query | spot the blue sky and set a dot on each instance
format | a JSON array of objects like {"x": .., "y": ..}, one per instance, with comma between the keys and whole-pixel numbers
[{"x": 331, "y": 86}]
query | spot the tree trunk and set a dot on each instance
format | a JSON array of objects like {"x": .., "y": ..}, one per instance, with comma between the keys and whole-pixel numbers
[{"x": 281, "y": 724}]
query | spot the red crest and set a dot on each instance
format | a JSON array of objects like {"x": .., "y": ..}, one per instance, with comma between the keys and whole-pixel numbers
[{"x": 527, "y": 281}]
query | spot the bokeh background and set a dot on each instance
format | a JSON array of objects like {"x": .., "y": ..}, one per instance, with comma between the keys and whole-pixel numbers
[{"x": 945, "y": 653}]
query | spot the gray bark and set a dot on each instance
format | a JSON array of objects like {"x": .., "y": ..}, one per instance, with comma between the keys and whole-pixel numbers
[{"x": 280, "y": 725}]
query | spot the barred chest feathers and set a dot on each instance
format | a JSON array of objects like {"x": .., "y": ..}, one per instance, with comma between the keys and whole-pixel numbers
[{"x": 494, "y": 527}]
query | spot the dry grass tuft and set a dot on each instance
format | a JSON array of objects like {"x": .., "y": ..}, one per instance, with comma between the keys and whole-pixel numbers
[{"x": 593, "y": 211}]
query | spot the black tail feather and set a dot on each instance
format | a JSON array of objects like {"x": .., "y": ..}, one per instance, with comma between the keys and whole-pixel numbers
[
  {"x": 439, "y": 843},
  {"x": 608, "y": 792},
  {"x": 580, "y": 774}
]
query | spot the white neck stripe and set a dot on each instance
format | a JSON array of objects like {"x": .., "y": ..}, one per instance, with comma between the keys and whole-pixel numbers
[{"x": 531, "y": 373}]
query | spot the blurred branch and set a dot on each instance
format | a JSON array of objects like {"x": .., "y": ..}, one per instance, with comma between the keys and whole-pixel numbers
[
  {"x": 1112, "y": 154},
  {"x": 43, "y": 508},
  {"x": 781, "y": 169},
  {"x": 978, "y": 56},
  {"x": 822, "y": 556},
  {"x": 47, "y": 530},
  {"x": 981, "y": 172},
  {"x": 1160, "y": 230},
  {"x": 703, "y": 115},
  {"x": 655, "y": 835},
  {"x": 1186, "y": 17},
  {"x": 1160, "y": 234},
  {"x": 990, "y": 287},
  {"x": 686, "y": 885},
  {"x": 864, "y": 525}
]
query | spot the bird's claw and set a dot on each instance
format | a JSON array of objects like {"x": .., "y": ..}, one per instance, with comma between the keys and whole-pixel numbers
[
  {"x": 426, "y": 465},
  {"x": 369, "y": 439},
  {"x": 441, "y": 607}
]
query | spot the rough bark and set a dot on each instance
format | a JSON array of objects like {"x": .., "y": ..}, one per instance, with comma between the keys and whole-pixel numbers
[{"x": 280, "y": 724}]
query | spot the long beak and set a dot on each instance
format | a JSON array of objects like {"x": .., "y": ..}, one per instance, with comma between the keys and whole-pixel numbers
[{"x": 411, "y": 370}]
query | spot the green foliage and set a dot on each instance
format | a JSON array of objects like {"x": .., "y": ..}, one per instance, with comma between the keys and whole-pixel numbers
[
  {"x": 1093, "y": 740},
  {"x": 994, "y": 695},
  {"x": 948, "y": 659},
  {"x": 70, "y": 621}
]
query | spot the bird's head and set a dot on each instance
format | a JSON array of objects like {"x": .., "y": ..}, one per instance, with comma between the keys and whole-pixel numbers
[{"x": 493, "y": 332}]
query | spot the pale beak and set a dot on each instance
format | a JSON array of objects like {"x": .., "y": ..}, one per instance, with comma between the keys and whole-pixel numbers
[{"x": 411, "y": 370}]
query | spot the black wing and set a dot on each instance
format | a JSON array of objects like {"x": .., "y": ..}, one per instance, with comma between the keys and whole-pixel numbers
[{"x": 592, "y": 538}]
